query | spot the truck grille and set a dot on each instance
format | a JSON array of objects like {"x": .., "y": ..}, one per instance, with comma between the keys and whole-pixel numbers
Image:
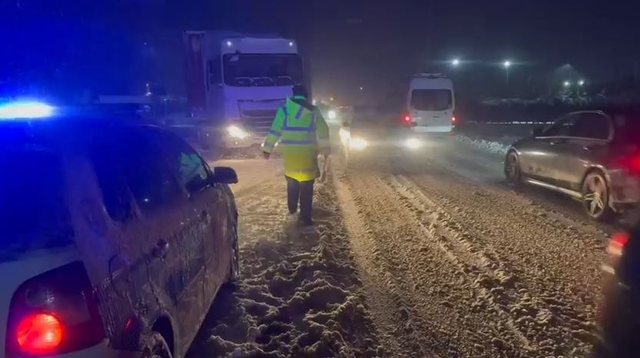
[{"x": 257, "y": 125}]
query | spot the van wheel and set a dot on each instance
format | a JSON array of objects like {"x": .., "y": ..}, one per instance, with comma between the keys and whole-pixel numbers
[
  {"x": 595, "y": 196},
  {"x": 156, "y": 347}
]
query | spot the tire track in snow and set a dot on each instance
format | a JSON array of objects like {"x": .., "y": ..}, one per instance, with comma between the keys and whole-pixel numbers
[
  {"x": 555, "y": 260},
  {"x": 437, "y": 292},
  {"x": 505, "y": 292}
]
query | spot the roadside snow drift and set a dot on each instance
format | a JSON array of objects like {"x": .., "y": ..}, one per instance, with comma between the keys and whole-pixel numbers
[{"x": 299, "y": 294}]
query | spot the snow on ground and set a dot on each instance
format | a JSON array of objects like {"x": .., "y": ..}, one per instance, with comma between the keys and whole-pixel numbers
[
  {"x": 299, "y": 294},
  {"x": 415, "y": 256},
  {"x": 473, "y": 270},
  {"x": 497, "y": 146}
]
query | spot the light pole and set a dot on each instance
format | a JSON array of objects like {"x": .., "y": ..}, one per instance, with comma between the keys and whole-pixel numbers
[{"x": 507, "y": 65}]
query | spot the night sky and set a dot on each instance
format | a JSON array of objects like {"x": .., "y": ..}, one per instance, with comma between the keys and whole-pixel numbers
[{"x": 347, "y": 44}]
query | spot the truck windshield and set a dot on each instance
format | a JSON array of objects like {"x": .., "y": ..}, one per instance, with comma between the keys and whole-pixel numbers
[
  {"x": 33, "y": 213},
  {"x": 246, "y": 70},
  {"x": 431, "y": 99}
]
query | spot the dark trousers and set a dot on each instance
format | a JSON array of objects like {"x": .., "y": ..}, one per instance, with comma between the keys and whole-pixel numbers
[{"x": 300, "y": 192}]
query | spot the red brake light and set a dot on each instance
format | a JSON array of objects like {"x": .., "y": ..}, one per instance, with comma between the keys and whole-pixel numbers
[
  {"x": 407, "y": 118},
  {"x": 54, "y": 313},
  {"x": 453, "y": 119},
  {"x": 618, "y": 243},
  {"x": 39, "y": 334},
  {"x": 630, "y": 163}
]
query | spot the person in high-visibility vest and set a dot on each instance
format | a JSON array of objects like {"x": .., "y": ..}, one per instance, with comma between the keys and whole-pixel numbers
[{"x": 302, "y": 134}]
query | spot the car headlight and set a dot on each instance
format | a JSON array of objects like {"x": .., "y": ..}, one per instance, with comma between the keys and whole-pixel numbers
[
  {"x": 358, "y": 143},
  {"x": 237, "y": 132},
  {"x": 413, "y": 143},
  {"x": 332, "y": 114}
]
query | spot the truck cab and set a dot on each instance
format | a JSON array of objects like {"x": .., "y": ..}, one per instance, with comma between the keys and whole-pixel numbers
[{"x": 239, "y": 81}]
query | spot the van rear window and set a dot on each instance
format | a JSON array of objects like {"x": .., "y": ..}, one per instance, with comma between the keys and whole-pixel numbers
[
  {"x": 33, "y": 213},
  {"x": 431, "y": 99}
]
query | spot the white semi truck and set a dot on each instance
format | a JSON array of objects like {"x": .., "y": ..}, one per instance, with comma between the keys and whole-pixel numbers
[{"x": 238, "y": 82}]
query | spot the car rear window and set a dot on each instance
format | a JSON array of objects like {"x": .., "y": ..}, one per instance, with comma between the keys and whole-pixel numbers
[
  {"x": 33, "y": 213},
  {"x": 431, "y": 99}
]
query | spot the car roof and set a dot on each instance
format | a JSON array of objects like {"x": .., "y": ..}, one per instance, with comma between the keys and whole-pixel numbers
[{"x": 56, "y": 130}]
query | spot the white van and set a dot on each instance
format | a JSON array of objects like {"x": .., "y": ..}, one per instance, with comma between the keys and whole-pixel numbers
[{"x": 431, "y": 103}]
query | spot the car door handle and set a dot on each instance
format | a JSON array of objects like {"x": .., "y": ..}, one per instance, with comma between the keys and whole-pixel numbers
[{"x": 161, "y": 249}]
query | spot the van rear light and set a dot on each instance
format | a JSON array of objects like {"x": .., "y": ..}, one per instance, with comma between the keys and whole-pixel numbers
[
  {"x": 453, "y": 119},
  {"x": 407, "y": 121},
  {"x": 54, "y": 313}
]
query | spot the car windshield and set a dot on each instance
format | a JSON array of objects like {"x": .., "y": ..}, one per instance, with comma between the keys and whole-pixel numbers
[
  {"x": 431, "y": 99},
  {"x": 262, "y": 70},
  {"x": 33, "y": 212}
]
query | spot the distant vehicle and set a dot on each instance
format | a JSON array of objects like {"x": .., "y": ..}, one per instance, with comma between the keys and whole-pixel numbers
[
  {"x": 431, "y": 103},
  {"x": 115, "y": 237},
  {"x": 378, "y": 133},
  {"x": 619, "y": 317},
  {"x": 240, "y": 81},
  {"x": 585, "y": 155}
]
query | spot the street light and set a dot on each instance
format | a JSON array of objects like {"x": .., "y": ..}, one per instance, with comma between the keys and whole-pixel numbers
[
  {"x": 581, "y": 83},
  {"x": 361, "y": 88},
  {"x": 506, "y": 64},
  {"x": 455, "y": 62},
  {"x": 566, "y": 84}
]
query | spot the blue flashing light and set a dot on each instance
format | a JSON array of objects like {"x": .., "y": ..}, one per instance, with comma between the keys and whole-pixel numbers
[{"x": 25, "y": 110}]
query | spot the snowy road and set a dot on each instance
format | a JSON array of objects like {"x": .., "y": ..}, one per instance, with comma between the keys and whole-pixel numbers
[{"x": 428, "y": 257}]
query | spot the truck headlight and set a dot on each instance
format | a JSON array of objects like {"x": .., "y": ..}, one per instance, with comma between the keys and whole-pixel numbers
[
  {"x": 358, "y": 143},
  {"x": 413, "y": 143},
  {"x": 237, "y": 132}
]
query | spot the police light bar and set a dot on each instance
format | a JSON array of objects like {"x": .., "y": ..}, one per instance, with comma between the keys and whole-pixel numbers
[{"x": 25, "y": 110}]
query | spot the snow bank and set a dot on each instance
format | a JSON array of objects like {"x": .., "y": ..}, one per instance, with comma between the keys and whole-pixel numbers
[{"x": 496, "y": 146}]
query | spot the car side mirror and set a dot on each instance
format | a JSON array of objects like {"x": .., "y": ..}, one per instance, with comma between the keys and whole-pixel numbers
[
  {"x": 536, "y": 132},
  {"x": 225, "y": 175}
]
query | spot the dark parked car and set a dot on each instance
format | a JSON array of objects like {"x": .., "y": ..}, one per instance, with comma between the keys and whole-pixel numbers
[
  {"x": 115, "y": 239},
  {"x": 586, "y": 155},
  {"x": 619, "y": 317}
]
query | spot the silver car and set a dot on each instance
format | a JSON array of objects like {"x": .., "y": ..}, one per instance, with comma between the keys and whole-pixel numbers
[{"x": 587, "y": 155}]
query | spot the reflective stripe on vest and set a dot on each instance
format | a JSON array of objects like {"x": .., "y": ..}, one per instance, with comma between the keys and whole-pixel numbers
[{"x": 298, "y": 142}]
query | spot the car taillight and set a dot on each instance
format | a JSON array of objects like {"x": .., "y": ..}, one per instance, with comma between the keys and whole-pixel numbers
[
  {"x": 39, "y": 333},
  {"x": 54, "y": 313},
  {"x": 453, "y": 119},
  {"x": 630, "y": 163},
  {"x": 617, "y": 244}
]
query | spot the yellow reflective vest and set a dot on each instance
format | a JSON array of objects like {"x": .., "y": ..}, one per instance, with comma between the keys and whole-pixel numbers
[{"x": 302, "y": 133}]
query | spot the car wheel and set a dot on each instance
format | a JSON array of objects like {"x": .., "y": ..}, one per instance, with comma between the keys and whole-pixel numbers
[
  {"x": 156, "y": 346},
  {"x": 512, "y": 168},
  {"x": 595, "y": 196},
  {"x": 234, "y": 270}
]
